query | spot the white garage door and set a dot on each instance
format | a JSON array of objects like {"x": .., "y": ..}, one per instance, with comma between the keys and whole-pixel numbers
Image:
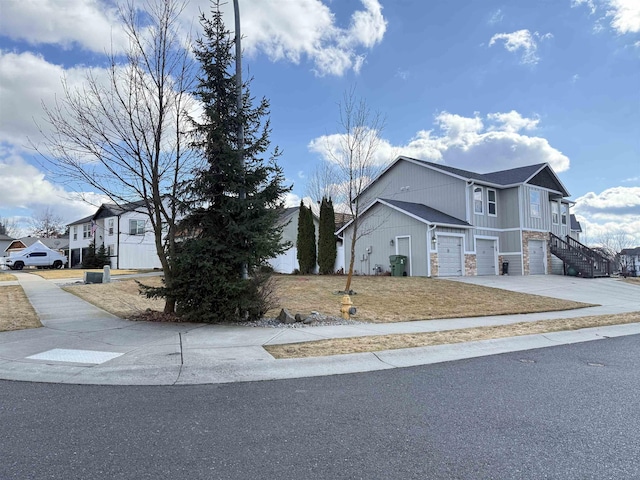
[
  {"x": 449, "y": 256},
  {"x": 536, "y": 257},
  {"x": 486, "y": 257}
]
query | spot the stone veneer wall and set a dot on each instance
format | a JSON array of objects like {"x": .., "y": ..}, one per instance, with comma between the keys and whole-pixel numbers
[
  {"x": 528, "y": 235},
  {"x": 470, "y": 265},
  {"x": 434, "y": 264},
  {"x": 500, "y": 261}
]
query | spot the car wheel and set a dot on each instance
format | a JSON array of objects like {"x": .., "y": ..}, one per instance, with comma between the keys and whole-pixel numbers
[
  {"x": 57, "y": 264},
  {"x": 19, "y": 265}
]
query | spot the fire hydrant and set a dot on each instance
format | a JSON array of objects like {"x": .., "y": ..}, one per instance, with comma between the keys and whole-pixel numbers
[{"x": 347, "y": 307}]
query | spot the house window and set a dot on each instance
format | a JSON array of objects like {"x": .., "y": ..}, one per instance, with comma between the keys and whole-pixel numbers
[
  {"x": 555, "y": 214},
  {"x": 110, "y": 224},
  {"x": 478, "y": 204},
  {"x": 136, "y": 227},
  {"x": 564, "y": 214},
  {"x": 534, "y": 203},
  {"x": 492, "y": 202},
  {"x": 75, "y": 233},
  {"x": 86, "y": 230},
  {"x": 110, "y": 250}
]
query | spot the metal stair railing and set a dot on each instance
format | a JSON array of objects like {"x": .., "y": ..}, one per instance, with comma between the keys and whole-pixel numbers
[{"x": 584, "y": 259}]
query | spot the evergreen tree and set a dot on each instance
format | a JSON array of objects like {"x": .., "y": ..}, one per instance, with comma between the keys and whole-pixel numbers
[
  {"x": 306, "y": 240},
  {"x": 232, "y": 206},
  {"x": 89, "y": 257},
  {"x": 326, "y": 237}
]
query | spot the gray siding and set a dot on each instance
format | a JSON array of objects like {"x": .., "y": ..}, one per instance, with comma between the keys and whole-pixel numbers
[
  {"x": 426, "y": 186},
  {"x": 542, "y": 222},
  {"x": 508, "y": 208},
  {"x": 515, "y": 264},
  {"x": 380, "y": 224}
]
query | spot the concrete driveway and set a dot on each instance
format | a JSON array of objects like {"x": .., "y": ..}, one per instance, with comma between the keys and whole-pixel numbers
[{"x": 608, "y": 292}]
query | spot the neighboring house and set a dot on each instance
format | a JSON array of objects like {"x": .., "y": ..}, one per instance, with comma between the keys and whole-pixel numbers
[
  {"x": 5, "y": 241},
  {"x": 630, "y": 260},
  {"x": 125, "y": 231},
  {"x": 17, "y": 245},
  {"x": 288, "y": 261},
  {"x": 453, "y": 222},
  {"x": 576, "y": 228}
]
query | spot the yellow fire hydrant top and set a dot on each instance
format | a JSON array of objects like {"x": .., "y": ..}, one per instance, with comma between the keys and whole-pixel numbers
[{"x": 347, "y": 307}]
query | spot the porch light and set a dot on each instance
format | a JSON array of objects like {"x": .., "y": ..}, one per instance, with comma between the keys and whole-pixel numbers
[{"x": 391, "y": 242}]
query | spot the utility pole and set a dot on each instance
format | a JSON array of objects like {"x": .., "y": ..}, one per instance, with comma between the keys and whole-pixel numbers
[{"x": 242, "y": 193}]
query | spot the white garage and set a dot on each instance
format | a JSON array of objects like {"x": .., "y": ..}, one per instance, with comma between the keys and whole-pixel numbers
[
  {"x": 450, "y": 259},
  {"x": 486, "y": 258}
]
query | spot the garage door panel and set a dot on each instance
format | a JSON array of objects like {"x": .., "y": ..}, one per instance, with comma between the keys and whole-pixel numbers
[
  {"x": 536, "y": 257},
  {"x": 486, "y": 257},
  {"x": 449, "y": 256}
]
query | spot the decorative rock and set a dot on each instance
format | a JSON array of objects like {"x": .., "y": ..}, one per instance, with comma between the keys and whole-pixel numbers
[
  {"x": 286, "y": 317},
  {"x": 299, "y": 317},
  {"x": 309, "y": 320}
]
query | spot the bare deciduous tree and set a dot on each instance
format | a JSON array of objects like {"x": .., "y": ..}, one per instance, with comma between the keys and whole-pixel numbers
[
  {"x": 47, "y": 224},
  {"x": 126, "y": 135},
  {"x": 8, "y": 227},
  {"x": 352, "y": 161},
  {"x": 612, "y": 242}
]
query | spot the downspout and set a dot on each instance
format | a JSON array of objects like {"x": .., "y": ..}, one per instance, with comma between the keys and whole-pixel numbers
[
  {"x": 118, "y": 245},
  {"x": 430, "y": 232},
  {"x": 470, "y": 184}
]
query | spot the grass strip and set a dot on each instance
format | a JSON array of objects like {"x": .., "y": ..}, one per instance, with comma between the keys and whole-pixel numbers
[{"x": 376, "y": 343}]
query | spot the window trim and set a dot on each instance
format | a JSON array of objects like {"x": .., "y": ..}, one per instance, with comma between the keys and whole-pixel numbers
[
  {"x": 494, "y": 202},
  {"x": 75, "y": 232},
  {"x": 110, "y": 224},
  {"x": 537, "y": 203},
  {"x": 564, "y": 214},
  {"x": 477, "y": 190},
  {"x": 555, "y": 215},
  {"x": 86, "y": 230},
  {"x": 136, "y": 232}
]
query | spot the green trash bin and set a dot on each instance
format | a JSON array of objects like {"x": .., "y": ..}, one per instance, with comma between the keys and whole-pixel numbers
[{"x": 398, "y": 264}]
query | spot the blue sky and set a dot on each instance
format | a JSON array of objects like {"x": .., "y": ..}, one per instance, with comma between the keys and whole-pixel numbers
[{"x": 477, "y": 85}]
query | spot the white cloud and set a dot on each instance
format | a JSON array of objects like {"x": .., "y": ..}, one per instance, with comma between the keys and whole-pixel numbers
[
  {"x": 623, "y": 15},
  {"x": 472, "y": 143},
  {"x": 496, "y": 17},
  {"x": 614, "y": 209},
  {"x": 303, "y": 29},
  {"x": 90, "y": 24},
  {"x": 26, "y": 189},
  {"x": 26, "y": 81},
  {"x": 288, "y": 31},
  {"x": 522, "y": 41}
]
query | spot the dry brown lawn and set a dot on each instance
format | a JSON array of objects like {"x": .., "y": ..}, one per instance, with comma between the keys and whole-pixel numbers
[
  {"x": 378, "y": 343},
  {"x": 400, "y": 299},
  {"x": 632, "y": 280},
  {"x": 16, "y": 313},
  {"x": 79, "y": 273},
  {"x": 7, "y": 277},
  {"x": 378, "y": 299},
  {"x": 121, "y": 298}
]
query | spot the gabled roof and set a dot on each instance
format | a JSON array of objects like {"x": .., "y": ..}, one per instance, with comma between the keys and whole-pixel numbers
[
  {"x": 110, "y": 210},
  {"x": 540, "y": 174},
  {"x": 82, "y": 220},
  {"x": 52, "y": 243},
  {"x": 575, "y": 224},
  {"x": 420, "y": 212},
  {"x": 630, "y": 251},
  {"x": 4, "y": 237}
]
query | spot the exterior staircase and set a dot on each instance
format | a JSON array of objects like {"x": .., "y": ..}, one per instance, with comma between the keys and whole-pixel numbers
[{"x": 586, "y": 262}]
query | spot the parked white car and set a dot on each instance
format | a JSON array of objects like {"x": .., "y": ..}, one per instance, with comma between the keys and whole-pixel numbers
[{"x": 37, "y": 255}]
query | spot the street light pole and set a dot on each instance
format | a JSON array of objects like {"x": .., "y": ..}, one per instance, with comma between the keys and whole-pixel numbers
[{"x": 242, "y": 193}]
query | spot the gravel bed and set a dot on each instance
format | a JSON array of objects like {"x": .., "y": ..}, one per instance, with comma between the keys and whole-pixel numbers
[{"x": 317, "y": 320}]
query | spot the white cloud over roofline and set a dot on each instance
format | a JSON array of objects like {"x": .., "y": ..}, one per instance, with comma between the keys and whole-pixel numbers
[
  {"x": 495, "y": 142},
  {"x": 522, "y": 41}
]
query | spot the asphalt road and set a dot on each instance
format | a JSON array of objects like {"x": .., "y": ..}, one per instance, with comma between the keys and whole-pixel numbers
[{"x": 568, "y": 412}]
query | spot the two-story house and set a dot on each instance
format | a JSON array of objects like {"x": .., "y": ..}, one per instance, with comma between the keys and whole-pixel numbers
[
  {"x": 453, "y": 222},
  {"x": 125, "y": 231}
]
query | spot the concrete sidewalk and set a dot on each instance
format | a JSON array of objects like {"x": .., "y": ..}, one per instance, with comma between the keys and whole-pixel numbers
[{"x": 82, "y": 344}]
